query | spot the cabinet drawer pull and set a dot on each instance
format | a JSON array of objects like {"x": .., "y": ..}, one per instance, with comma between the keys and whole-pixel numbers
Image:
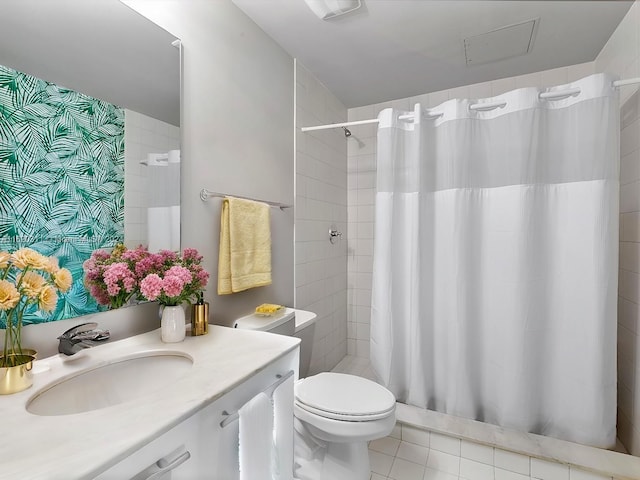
[{"x": 168, "y": 466}]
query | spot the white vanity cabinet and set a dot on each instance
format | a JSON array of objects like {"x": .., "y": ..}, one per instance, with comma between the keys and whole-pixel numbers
[
  {"x": 199, "y": 447},
  {"x": 140, "y": 433}
]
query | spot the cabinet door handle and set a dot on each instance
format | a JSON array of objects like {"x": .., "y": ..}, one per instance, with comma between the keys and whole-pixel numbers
[{"x": 166, "y": 467}]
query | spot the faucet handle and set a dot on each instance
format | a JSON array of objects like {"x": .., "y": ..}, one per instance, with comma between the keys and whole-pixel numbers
[
  {"x": 83, "y": 327},
  {"x": 80, "y": 337}
]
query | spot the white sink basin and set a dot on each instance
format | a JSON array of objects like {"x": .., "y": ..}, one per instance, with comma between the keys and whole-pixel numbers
[{"x": 111, "y": 384}]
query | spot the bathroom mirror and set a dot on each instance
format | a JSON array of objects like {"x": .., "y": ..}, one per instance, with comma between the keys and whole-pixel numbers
[{"x": 112, "y": 59}]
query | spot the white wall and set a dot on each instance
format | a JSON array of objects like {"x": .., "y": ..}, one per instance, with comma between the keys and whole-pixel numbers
[
  {"x": 621, "y": 56},
  {"x": 362, "y": 181},
  {"x": 237, "y": 138},
  {"x": 321, "y": 201}
]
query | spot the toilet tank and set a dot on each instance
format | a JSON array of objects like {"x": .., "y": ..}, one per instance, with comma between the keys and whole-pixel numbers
[
  {"x": 282, "y": 322},
  {"x": 291, "y": 322},
  {"x": 305, "y": 331}
]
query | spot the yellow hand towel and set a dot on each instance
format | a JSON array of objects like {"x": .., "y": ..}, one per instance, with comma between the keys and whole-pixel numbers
[{"x": 244, "y": 259}]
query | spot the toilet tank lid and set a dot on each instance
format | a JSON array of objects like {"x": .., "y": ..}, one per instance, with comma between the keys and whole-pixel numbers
[
  {"x": 304, "y": 319},
  {"x": 256, "y": 321}
]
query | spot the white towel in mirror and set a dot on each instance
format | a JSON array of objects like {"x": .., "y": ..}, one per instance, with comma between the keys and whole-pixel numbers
[{"x": 163, "y": 228}]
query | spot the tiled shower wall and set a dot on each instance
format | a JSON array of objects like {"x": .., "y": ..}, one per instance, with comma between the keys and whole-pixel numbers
[
  {"x": 321, "y": 201},
  {"x": 621, "y": 56},
  {"x": 142, "y": 135},
  {"x": 361, "y": 166}
]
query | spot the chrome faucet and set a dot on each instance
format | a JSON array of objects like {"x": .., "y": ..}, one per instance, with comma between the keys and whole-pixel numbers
[{"x": 82, "y": 336}]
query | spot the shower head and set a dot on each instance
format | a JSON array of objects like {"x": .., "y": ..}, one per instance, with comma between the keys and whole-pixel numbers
[{"x": 347, "y": 132}]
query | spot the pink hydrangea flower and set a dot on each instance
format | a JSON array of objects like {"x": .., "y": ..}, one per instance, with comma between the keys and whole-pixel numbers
[
  {"x": 136, "y": 254},
  {"x": 181, "y": 272},
  {"x": 203, "y": 277},
  {"x": 151, "y": 286},
  {"x": 167, "y": 256},
  {"x": 191, "y": 255},
  {"x": 146, "y": 266},
  {"x": 100, "y": 255},
  {"x": 99, "y": 294},
  {"x": 172, "y": 285},
  {"x": 116, "y": 273}
]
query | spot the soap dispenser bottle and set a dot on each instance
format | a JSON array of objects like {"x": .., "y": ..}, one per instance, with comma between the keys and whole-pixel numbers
[{"x": 200, "y": 317}]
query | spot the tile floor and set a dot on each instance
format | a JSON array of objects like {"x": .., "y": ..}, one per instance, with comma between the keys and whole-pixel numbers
[
  {"x": 410, "y": 453},
  {"x": 413, "y": 454}
]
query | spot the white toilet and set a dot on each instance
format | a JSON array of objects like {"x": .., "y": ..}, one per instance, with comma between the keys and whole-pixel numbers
[{"x": 336, "y": 415}]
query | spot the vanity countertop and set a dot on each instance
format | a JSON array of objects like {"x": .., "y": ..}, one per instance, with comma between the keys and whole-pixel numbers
[{"x": 84, "y": 444}]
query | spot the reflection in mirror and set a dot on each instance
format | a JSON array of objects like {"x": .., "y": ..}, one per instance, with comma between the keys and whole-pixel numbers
[{"x": 89, "y": 135}]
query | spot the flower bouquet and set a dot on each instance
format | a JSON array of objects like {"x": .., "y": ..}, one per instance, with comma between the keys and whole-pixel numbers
[
  {"x": 111, "y": 278},
  {"x": 171, "y": 278},
  {"x": 28, "y": 280},
  {"x": 114, "y": 278}
]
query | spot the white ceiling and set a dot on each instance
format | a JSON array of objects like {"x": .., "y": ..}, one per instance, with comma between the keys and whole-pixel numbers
[{"x": 391, "y": 49}]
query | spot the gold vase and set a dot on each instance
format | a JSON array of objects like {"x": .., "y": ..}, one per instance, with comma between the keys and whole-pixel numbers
[{"x": 19, "y": 377}]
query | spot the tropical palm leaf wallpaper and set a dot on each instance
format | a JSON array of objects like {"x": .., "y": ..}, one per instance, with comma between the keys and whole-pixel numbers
[{"x": 61, "y": 178}]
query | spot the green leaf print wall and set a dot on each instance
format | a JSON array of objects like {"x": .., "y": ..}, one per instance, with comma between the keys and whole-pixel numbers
[{"x": 61, "y": 178}]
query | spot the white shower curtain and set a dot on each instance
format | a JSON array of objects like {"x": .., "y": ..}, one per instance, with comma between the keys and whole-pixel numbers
[{"x": 495, "y": 261}]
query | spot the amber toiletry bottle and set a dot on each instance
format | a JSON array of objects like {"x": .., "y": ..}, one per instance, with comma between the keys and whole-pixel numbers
[{"x": 200, "y": 317}]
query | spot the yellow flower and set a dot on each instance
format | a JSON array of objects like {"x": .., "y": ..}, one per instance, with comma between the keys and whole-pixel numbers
[
  {"x": 63, "y": 279},
  {"x": 26, "y": 257},
  {"x": 32, "y": 284},
  {"x": 9, "y": 296},
  {"x": 4, "y": 259},
  {"x": 52, "y": 265},
  {"x": 48, "y": 298}
]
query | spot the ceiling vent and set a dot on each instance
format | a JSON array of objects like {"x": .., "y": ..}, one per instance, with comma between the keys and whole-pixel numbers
[
  {"x": 504, "y": 42},
  {"x": 326, "y": 9}
]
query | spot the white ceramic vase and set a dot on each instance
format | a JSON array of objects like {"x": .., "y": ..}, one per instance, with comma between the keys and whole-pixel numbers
[{"x": 172, "y": 324}]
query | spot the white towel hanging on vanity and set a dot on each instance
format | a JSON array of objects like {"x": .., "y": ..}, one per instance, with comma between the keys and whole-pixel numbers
[
  {"x": 256, "y": 438},
  {"x": 283, "y": 434}
]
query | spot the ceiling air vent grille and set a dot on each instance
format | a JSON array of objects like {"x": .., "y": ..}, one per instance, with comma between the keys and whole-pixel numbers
[{"x": 504, "y": 42}]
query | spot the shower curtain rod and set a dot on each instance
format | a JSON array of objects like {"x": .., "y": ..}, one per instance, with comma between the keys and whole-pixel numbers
[{"x": 559, "y": 94}]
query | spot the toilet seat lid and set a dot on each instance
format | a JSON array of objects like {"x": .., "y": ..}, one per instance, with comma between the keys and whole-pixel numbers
[{"x": 344, "y": 395}]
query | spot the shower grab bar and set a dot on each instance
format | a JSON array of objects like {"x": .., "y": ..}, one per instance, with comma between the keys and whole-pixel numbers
[
  {"x": 232, "y": 417},
  {"x": 554, "y": 95},
  {"x": 206, "y": 194}
]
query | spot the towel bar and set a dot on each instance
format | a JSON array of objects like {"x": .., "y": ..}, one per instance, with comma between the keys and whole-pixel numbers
[
  {"x": 232, "y": 417},
  {"x": 206, "y": 194}
]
